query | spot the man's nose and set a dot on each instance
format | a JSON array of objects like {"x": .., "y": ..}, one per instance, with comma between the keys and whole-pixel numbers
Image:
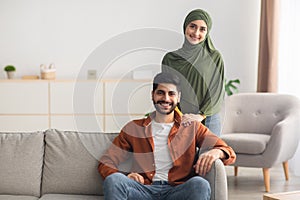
[{"x": 166, "y": 97}]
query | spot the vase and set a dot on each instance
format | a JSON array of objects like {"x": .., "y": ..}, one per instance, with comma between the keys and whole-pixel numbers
[{"x": 10, "y": 75}]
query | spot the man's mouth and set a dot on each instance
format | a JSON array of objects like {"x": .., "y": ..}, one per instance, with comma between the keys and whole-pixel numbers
[
  {"x": 165, "y": 104},
  {"x": 164, "y": 107}
]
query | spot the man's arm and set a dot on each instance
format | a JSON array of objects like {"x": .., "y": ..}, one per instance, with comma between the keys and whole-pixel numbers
[
  {"x": 115, "y": 154},
  {"x": 217, "y": 149},
  {"x": 206, "y": 160}
]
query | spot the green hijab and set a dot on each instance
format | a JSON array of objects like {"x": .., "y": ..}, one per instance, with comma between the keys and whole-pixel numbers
[{"x": 201, "y": 69}]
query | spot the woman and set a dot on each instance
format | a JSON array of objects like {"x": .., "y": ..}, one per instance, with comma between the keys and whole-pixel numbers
[{"x": 201, "y": 68}]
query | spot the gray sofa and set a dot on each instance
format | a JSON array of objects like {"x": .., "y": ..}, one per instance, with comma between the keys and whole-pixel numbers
[{"x": 62, "y": 165}]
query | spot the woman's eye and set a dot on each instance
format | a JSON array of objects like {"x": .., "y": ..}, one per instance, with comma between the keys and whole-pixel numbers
[{"x": 192, "y": 26}]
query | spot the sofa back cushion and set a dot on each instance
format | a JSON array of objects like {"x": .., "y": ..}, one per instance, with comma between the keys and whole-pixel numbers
[
  {"x": 21, "y": 161},
  {"x": 71, "y": 161}
]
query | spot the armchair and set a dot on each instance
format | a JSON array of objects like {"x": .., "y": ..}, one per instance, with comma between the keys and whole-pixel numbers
[
  {"x": 218, "y": 181},
  {"x": 263, "y": 129}
]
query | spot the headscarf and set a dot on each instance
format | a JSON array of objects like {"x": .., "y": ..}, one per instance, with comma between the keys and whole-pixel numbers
[{"x": 201, "y": 69}]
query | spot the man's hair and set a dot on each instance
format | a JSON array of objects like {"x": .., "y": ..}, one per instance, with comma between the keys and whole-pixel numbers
[{"x": 165, "y": 77}]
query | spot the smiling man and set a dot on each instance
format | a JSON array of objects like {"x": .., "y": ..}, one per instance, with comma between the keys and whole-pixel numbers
[{"x": 163, "y": 152}]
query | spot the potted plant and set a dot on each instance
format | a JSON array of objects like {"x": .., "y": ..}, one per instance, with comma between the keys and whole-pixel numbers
[
  {"x": 230, "y": 87},
  {"x": 10, "y": 70}
]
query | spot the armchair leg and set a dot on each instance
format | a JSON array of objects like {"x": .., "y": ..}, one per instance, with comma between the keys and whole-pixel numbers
[
  {"x": 267, "y": 179},
  {"x": 286, "y": 170},
  {"x": 235, "y": 170}
]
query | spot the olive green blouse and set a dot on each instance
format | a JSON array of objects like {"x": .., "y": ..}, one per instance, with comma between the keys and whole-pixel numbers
[{"x": 201, "y": 69}]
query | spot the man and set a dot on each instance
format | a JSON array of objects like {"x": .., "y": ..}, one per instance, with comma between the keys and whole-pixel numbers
[{"x": 163, "y": 152}]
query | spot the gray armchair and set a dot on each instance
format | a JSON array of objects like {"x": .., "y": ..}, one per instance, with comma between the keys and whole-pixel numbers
[{"x": 263, "y": 130}]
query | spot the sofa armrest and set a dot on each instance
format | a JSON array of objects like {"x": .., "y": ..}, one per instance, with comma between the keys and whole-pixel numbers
[{"x": 218, "y": 181}]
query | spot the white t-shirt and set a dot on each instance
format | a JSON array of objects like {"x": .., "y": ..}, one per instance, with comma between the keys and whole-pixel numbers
[{"x": 162, "y": 158}]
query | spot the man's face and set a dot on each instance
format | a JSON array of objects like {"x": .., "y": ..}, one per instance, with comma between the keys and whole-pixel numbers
[{"x": 165, "y": 98}]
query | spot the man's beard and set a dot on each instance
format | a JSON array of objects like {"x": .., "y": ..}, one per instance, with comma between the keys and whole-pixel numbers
[{"x": 161, "y": 111}]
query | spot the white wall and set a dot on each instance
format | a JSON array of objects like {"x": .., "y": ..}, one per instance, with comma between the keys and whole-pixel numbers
[{"x": 110, "y": 35}]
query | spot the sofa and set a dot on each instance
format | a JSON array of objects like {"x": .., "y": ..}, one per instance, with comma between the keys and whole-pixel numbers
[{"x": 62, "y": 165}]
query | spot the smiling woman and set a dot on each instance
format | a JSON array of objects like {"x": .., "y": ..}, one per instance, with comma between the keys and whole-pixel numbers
[{"x": 201, "y": 69}]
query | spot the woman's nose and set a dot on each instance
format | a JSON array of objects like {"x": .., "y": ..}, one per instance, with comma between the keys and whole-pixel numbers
[{"x": 197, "y": 32}]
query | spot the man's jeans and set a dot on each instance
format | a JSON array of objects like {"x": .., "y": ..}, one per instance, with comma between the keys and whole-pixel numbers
[{"x": 117, "y": 186}]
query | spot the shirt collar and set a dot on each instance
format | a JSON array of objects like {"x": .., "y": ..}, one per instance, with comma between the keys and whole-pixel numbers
[{"x": 177, "y": 118}]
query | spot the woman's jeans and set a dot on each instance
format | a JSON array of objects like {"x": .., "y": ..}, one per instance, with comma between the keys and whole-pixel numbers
[
  {"x": 117, "y": 186},
  {"x": 213, "y": 122}
]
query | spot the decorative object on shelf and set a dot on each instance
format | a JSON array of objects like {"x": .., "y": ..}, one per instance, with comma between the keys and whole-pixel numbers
[
  {"x": 92, "y": 74},
  {"x": 48, "y": 73},
  {"x": 230, "y": 87},
  {"x": 30, "y": 77},
  {"x": 10, "y": 70}
]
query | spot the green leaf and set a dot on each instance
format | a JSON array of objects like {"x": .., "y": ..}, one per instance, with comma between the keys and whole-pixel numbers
[{"x": 230, "y": 86}]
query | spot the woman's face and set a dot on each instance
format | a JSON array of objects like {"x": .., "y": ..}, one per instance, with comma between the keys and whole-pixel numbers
[{"x": 196, "y": 31}]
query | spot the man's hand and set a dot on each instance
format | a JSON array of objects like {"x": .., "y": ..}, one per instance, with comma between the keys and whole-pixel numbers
[
  {"x": 205, "y": 161},
  {"x": 188, "y": 118},
  {"x": 137, "y": 177}
]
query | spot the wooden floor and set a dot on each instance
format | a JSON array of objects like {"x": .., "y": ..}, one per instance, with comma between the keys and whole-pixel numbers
[{"x": 249, "y": 184}]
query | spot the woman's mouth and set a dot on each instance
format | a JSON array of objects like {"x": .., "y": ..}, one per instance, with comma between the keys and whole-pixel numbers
[{"x": 194, "y": 38}]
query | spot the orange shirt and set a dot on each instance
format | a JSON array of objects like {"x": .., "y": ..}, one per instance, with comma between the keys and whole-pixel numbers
[{"x": 135, "y": 143}]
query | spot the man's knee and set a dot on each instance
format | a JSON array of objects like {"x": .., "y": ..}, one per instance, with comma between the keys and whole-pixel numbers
[
  {"x": 114, "y": 186},
  {"x": 195, "y": 188},
  {"x": 200, "y": 185},
  {"x": 113, "y": 179},
  {"x": 114, "y": 182}
]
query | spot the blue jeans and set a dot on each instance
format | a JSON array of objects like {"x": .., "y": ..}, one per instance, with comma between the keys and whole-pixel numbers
[
  {"x": 117, "y": 186},
  {"x": 213, "y": 122}
]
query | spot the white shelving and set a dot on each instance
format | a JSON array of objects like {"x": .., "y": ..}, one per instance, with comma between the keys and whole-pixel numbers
[{"x": 84, "y": 105}]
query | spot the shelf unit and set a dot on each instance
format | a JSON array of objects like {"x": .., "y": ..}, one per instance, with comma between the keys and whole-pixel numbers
[{"x": 83, "y": 105}]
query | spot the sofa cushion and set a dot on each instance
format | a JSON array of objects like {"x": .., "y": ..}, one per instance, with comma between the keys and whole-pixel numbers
[
  {"x": 247, "y": 143},
  {"x": 17, "y": 197},
  {"x": 71, "y": 162},
  {"x": 21, "y": 161},
  {"x": 70, "y": 197}
]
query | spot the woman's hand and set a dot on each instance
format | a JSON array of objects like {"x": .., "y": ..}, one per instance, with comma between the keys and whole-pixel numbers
[
  {"x": 188, "y": 118},
  {"x": 136, "y": 177}
]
